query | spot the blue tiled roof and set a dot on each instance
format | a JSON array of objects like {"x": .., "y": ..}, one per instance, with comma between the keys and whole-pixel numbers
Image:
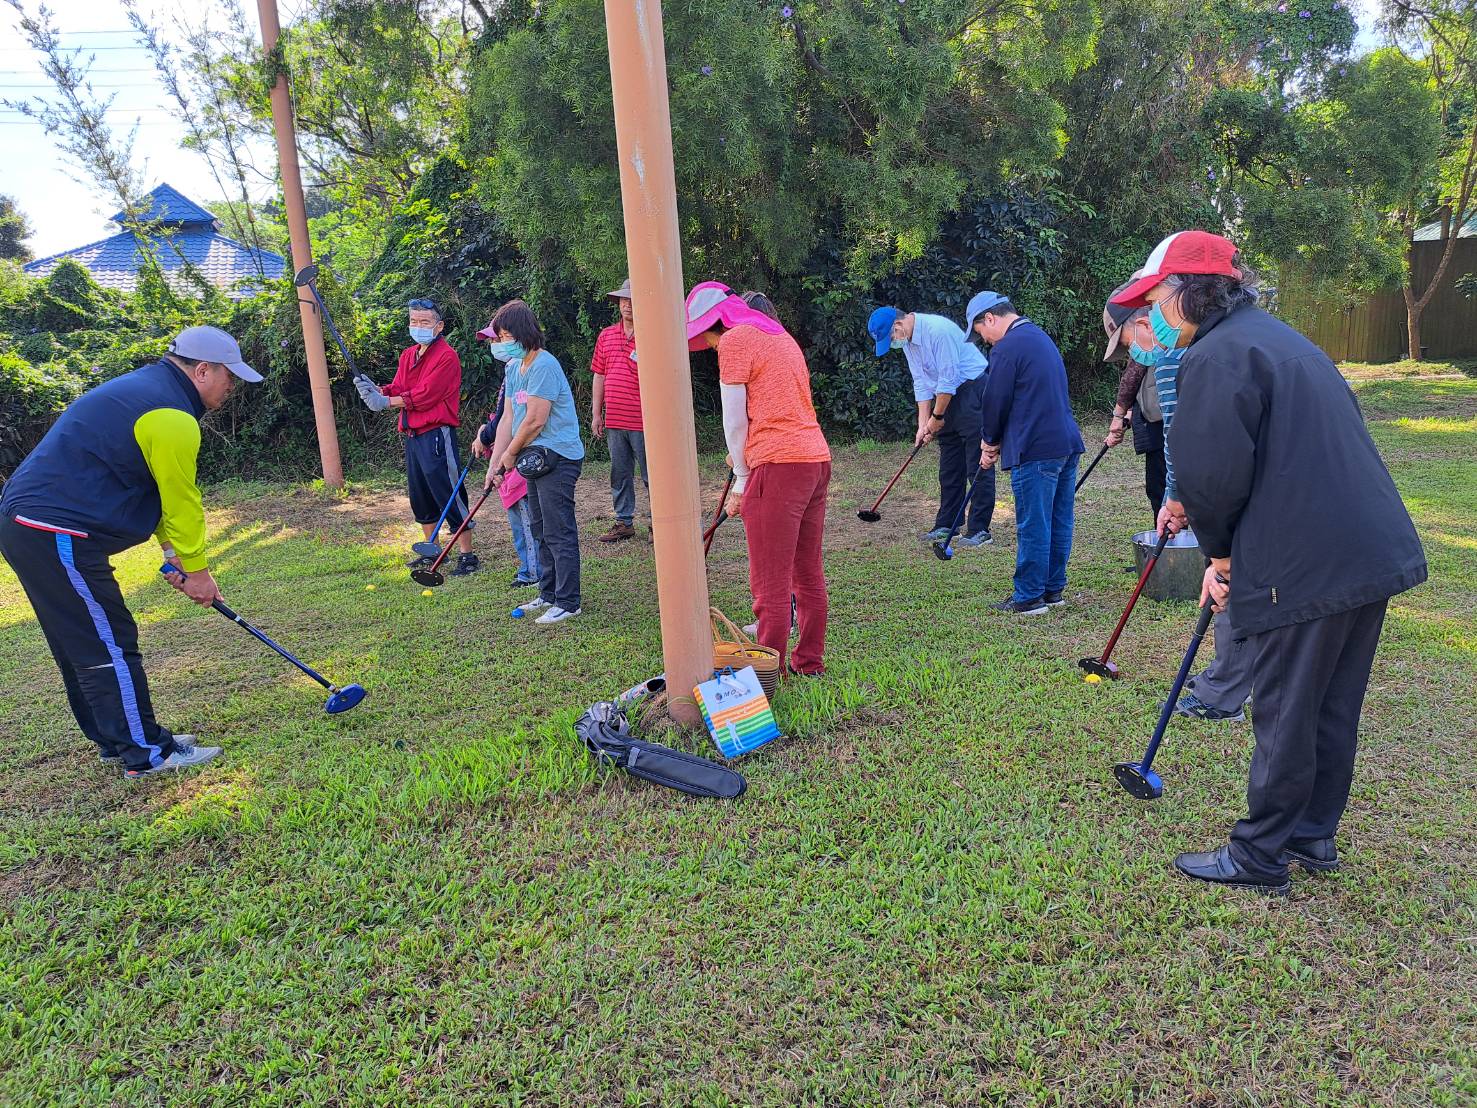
[
  {"x": 1431, "y": 232},
  {"x": 114, "y": 262},
  {"x": 168, "y": 205}
]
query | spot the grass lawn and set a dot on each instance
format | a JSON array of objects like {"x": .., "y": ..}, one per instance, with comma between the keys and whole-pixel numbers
[{"x": 933, "y": 892}]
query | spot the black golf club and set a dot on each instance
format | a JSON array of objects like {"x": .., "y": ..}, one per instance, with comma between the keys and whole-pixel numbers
[
  {"x": 1086, "y": 473},
  {"x": 1101, "y": 666},
  {"x": 943, "y": 548},
  {"x": 1137, "y": 778},
  {"x": 341, "y": 697},
  {"x": 307, "y": 277},
  {"x": 872, "y": 515},
  {"x": 430, "y": 576},
  {"x": 430, "y": 548},
  {"x": 719, "y": 516}
]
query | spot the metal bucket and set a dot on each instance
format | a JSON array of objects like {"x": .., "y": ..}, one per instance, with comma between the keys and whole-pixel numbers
[{"x": 1181, "y": 567}]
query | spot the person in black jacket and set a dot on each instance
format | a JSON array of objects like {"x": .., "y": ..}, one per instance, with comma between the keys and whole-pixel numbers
[{"x": 1294, "y": 507}]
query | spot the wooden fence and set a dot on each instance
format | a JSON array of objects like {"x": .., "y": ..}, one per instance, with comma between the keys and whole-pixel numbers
[{"x": 1374, "y": 330}]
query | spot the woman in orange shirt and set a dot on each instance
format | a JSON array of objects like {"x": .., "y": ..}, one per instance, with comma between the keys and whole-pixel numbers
[{"x": 781, "y": 466}]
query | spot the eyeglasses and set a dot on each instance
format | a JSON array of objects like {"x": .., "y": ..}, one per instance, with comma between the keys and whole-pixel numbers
[{"x": 423, "y": 305}]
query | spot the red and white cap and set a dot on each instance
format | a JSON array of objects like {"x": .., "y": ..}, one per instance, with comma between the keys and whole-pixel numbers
[{"x": 1182, "y": 252}]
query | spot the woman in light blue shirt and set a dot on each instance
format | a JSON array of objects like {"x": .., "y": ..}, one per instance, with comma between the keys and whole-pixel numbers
[{"x": 541, "y": 420}]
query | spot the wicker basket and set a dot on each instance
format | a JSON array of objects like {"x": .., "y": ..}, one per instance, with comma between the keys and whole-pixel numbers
[{"x": 731, "y": 647}]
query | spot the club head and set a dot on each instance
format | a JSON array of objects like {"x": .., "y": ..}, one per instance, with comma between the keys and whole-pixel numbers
[
  {"x": 1143, "y": 784},
  {"x": 1106, "y": 670},
  {"x": 429, "y": 577},
  {"x": 306, "y": 276},
  {"x": 866, "y": 515},
  {"x": 427, "y": 549},
  {"x": 343, "y": 699},
  {"x": 943, "y": 550}
]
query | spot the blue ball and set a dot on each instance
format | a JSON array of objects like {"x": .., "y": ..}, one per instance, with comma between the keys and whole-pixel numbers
[{"x": 517, "y": 613}]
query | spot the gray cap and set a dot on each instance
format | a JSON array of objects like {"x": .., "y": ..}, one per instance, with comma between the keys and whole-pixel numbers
[
  {"x": 211, "y": 344},
  {"x": 622, "y": 293}
]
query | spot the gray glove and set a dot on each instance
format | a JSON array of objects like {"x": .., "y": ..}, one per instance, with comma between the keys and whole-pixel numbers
[{"x": 369, "y": 392}]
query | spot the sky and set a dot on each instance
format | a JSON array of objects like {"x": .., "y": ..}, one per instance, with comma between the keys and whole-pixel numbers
[{"x": 66, "y": 213}]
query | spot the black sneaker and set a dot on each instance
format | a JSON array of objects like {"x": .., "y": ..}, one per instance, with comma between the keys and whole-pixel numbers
[
  {"x": 523, "y": 583},
  {"x": 109, "y": 759},
  {"x": 420, "y": 562},
  {"x": 1027, "y": 608},
  {"x": 1314, "y": 855},
  {"x": 1192, "y": 707},
  {"x": 1053, "y": 600},
  {"x": 1218, "y": 867},
  {"x": 466, "y": 565}
]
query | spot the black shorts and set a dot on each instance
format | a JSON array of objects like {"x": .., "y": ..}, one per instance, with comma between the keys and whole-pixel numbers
[{"x": 431, "y": 471}]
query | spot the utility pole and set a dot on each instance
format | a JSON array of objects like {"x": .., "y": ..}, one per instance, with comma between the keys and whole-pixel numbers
[
  {"x": 643, "y": 132},
  {"x": 302, "y": 254}
]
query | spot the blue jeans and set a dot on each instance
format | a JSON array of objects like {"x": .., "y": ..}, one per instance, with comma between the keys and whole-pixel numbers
[
  {"x": 626, "y": 449},
  {"x": 1044, "y": 493},
  {"x": 524, "y": 543}
]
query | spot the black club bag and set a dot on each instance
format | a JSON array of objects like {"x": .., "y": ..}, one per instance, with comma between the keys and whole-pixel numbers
[{"x": 607, "y": 736}]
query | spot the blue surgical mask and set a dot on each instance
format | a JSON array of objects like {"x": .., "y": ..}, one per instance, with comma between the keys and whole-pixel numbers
[
  {"x": 897, "y": 344},
  {"x": 509, "y": 351},
  {"x": 1150, "y": 357},
  {"x": 423, "y": 335},
  {"x": 1165, "y": 334}
]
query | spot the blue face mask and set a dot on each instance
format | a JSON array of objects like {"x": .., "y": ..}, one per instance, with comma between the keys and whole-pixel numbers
[
  {"x": 423, "y": 335},
  {"x": 1150, "y": 357},
  {"x": 1165, "y": 335},
  {"x": 897, "y": 344},
  {"x": 509, "y": 351}
]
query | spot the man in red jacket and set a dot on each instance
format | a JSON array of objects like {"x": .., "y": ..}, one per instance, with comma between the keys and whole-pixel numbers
[{"x": 427, "y": 391}]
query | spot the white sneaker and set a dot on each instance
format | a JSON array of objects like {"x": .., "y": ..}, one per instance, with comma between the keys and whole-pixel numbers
[
  {"x": 557, "y": 614},
  {"x": 186, "y": 754},
  {"x": 752, "y": 629},
  {"x": 537, "y": 604}
]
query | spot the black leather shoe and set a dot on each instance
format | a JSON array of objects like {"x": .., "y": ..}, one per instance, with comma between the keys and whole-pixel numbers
[
  {"x": 1314, "y": 855},
  {"x": 1218, "y": 868}
]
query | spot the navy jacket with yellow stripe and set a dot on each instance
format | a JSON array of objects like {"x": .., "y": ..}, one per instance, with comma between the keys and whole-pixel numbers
[{"x": 119, "y": 466}]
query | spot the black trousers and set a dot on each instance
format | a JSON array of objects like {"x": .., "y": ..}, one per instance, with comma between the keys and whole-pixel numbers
[
  {"x": 1310, "y": 680},
  {"x": 431, "y": 469},
  {"x": 93, "y": 638},
  {"x": 551, "y": 509},
  {"x": 959, "y": 461},
  {"x": 1154, "y": 479}
]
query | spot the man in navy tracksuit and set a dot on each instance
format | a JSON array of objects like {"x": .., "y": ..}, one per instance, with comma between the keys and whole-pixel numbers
[
  {"x": 115, "y": 468},
  {"x": 1028, "y": 427}
]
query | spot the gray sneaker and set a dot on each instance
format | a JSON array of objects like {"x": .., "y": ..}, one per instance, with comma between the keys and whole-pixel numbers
[
  {"x": 936, "y": 534},
  {"x": 186, "y": 754},
  {"x": 979, "y": 538}
]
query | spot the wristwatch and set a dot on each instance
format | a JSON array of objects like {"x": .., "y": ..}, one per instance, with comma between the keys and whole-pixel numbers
[{"x": 936, "y": 415}]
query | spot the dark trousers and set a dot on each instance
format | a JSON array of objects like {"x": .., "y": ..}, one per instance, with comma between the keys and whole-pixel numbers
[
  {"x": 431, "y": 470},
  {"x": 93, "y": 639},
  {"x": 959, "y": 461},
  {"x": 551, "y": 505},
  {"x": 627, "y": 448},
  {"x": 1154, "y": 478},
  {"x": 1310, "y": 680}
]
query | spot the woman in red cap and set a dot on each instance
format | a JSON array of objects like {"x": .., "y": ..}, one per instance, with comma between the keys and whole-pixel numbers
[
  {"x": 781, "y": 465},
  {"x": 1296, "y": 510}
]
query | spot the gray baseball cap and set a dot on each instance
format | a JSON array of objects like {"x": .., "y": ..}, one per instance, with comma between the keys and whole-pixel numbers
[{"x": 211, "y": 344}]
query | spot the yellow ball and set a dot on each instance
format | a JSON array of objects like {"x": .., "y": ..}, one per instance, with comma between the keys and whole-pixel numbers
[
  {"x": 1092, "y": 679},
  {"x": 427, "y": 592},
  {"x": 369, "y": 588}
]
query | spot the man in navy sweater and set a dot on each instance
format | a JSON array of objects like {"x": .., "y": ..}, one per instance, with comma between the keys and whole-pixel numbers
[
  {"x": 1029, "y": 429},
  {"x": 117, "y": 467}
]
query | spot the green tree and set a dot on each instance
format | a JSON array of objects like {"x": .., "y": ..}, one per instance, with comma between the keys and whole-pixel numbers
[{"x": 14, "y": 230}]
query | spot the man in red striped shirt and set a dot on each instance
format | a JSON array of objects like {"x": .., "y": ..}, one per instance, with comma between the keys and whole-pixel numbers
[{"x": 615, "y": 413}]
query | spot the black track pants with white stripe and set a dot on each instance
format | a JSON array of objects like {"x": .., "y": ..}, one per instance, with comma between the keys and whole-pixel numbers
[{"x": 93, "y": 638}]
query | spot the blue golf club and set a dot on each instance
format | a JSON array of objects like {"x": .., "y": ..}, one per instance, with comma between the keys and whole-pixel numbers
[
  {"x": 1137, "y": 779},
  {"x": 341, "y": 699},
  {"x": 943, "y": 548},
  {"x": 430, "y": 548}
]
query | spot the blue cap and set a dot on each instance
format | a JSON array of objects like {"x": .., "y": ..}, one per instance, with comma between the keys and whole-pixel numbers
[
  {"x": 979, "y": 304},
  {"x": 879, "y": 326}
]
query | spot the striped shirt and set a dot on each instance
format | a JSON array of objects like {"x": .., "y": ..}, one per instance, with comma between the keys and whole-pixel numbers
[
  {"x": 1167, "y": 385},
  {"x": 613, "y": 360}
]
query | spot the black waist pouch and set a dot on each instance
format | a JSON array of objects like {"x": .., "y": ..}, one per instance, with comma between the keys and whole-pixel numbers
[{"x": 607, "y": 736}]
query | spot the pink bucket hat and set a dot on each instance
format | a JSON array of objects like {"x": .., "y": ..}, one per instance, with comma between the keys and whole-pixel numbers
[{"x": 714, "y": 302}]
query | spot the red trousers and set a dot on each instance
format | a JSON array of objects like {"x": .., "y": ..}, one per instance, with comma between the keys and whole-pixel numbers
[{"x": 784, "y": 510}]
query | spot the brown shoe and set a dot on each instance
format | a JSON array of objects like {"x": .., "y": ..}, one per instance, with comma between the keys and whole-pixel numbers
[{"x": 619, "y": 532}]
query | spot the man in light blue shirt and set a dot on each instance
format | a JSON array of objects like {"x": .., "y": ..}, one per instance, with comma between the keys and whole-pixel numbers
[{"x": 948, "y": 375}]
